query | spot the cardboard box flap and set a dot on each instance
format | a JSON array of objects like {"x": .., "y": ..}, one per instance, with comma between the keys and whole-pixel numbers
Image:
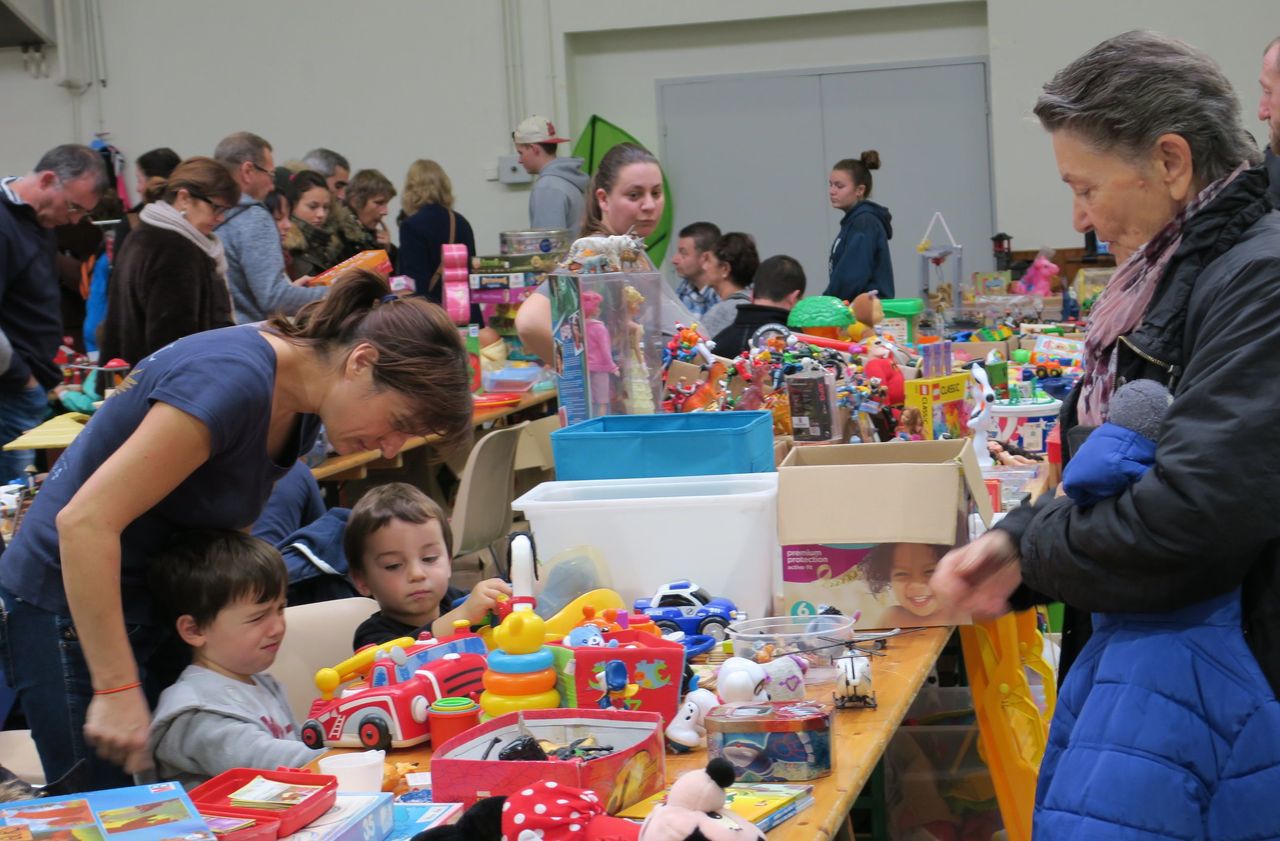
[{"x": 878, "y": 493}]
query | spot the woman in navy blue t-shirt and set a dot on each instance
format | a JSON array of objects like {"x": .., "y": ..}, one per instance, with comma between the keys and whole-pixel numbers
[{"x": 195, "y": 438}]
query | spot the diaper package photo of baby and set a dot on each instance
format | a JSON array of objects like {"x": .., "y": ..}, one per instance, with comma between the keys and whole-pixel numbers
[{"x": 905, "y": 569}]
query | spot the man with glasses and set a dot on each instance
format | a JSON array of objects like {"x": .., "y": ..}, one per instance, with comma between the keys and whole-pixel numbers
[
  {"x": 255, "y": 258},
  {"x": 64, "y": 188}
]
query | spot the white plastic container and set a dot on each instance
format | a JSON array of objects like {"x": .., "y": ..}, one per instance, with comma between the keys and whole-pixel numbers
[{"x": 718, "y": 531}]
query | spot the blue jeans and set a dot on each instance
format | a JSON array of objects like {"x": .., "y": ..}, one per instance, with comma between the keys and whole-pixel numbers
[
  {"x": 20, "y": 411},
  {"x": 41, "y": 658}
]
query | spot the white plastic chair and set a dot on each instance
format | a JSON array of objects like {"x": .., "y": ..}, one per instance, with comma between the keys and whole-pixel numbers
[
  {"x": 482, "y": 511},
  {"x": 318, "y": 635}
]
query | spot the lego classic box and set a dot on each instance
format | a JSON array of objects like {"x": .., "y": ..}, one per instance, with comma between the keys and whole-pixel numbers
[{"x": 862, "y": 527}]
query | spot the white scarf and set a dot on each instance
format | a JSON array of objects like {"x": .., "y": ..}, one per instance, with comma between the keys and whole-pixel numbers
[{"x": 161, "y": 214}]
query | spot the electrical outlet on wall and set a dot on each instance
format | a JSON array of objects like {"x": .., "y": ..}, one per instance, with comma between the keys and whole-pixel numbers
[{"x": 511, "y": 172}]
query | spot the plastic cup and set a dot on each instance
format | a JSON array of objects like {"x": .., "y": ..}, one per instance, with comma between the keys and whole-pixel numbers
[{"x": 355, "y": 771}]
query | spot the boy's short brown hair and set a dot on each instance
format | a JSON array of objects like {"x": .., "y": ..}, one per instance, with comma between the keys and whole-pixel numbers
[
  {"x": 381, "y": 505},
  {"x": 202, "y": 571}
]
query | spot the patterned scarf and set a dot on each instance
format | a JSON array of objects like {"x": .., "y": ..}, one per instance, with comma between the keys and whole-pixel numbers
[
  {"x": 161, "y": 214},
  {"x": 1121, "y": 306}
]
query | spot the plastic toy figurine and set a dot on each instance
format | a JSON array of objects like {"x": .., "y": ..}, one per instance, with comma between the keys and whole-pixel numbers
[
  {"x": 1036, "y": 280},
  {"x": 710, "y": 396},
  {"x": 600, "y": 364},
  {"x": 687, "y": 345},
  {"x": 785, "y": 677},
  {"x": 686, "y": 731},
  {"x": 739, "y": 680},
  {"x": 981, "y": 420},
  {"x": 588, "y": 636},
  {"x": 853, "y": 685},
  {"x": 684, "y": 606},
  {"x": 617, "y": 685},
  {"x": 910, "y": 425},
  {"x": 695, "y": 809},
  {"x": 639, "y": 390}
]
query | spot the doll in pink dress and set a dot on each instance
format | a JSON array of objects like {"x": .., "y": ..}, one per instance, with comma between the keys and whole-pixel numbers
[{"x": 600, "y": 364}]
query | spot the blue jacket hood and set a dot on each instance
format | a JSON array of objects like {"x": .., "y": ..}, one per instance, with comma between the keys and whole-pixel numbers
[{"x": 879, "y": 211}]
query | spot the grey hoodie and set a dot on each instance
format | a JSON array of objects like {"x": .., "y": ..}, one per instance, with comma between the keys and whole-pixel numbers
[
  {"x": 206, "y": 723},
  {"x": 557, "y": 198},
  {"x": 255, "y": 265}
]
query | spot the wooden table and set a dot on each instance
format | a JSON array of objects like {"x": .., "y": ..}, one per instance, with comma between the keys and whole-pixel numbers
[
  {"x": 858, "y": 741},
  {"x": 357, "y": 465}
]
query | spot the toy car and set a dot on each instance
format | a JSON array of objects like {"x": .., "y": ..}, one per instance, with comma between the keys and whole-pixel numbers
[
  {"x": 684, "y": 606},
  {"x": 389, "y": 709}
]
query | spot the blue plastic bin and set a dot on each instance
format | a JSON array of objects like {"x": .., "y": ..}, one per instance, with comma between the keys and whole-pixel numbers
[{"x": 649, "y": 446}]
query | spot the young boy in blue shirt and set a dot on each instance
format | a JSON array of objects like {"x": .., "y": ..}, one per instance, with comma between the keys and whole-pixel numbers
[{"x": 225, "y": 593}]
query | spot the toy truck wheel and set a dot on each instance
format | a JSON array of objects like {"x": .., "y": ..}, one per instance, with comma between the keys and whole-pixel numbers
[
  {"x": 714, "y": 627},
  {"x": 312, "y": 736},
  {"x": 374, "y": 734},
  {"x": 1042, "y": 372},
  {"x": 667, "y": 626}
]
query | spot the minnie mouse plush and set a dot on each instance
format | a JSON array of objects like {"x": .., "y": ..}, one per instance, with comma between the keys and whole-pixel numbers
[{"x": 695, "y": 810}]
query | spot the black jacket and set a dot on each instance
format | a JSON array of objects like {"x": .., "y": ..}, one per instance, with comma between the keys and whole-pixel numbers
[
  {"x": 733, "y": 339},
  {"x": 30, "y": 302},
  {"x": 1273, "y": 169},
  {"x": 1206, "y": 519}
]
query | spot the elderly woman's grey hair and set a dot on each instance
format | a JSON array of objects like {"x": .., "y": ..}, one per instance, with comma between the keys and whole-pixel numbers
[{"x": 1125, "y": 93}]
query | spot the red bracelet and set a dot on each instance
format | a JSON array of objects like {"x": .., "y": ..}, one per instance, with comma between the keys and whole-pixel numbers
[{"x": 124, "y": 688}]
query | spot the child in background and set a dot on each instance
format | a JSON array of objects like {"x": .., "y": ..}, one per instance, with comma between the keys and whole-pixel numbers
[
  {"x": 397, "y": 545},
  {"x": 224, "y": 592},
  {"x": 905, "y": 568}
]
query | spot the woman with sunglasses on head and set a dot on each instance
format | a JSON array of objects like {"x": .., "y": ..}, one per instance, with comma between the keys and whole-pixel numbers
[{"x": 170, "y": 278}]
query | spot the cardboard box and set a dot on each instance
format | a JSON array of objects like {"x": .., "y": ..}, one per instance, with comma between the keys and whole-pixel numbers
[
  {"x": 654, "y": 664},
  {"x": 354, "y": 817},
  {"x": 466, "y": 768},
  {"x": 916, "y": 501},
  {"x": 943, "y": 403}
]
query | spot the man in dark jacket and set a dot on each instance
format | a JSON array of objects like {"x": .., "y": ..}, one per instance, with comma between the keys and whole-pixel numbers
[
  {"x": 64, "y": 188},
  {"x": 1269, "y": 112},
  {"x": 778, "y": 284}
]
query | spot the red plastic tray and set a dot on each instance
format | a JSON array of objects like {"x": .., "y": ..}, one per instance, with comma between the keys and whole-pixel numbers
[
  {"x": 266, "y": 825},
  {"x": 497, "y": 399},
  {"x": 215, "y": 792}
]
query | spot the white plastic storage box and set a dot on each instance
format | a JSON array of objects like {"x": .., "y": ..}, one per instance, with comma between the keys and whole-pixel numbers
[
  {"x": 718, "y": 531},
  {"x": 640, "y": 446}
]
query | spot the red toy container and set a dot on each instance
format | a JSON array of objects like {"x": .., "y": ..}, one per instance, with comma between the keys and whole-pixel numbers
[
  {"x": 266, "y": 826},
  {"x": 451, "y": 717},
  {"x": 654, "y": 664},
  {"x": 215, "y": 794}
]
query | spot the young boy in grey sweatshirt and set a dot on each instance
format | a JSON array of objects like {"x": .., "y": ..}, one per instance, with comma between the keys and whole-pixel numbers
[{"x": 225, "y": 593}]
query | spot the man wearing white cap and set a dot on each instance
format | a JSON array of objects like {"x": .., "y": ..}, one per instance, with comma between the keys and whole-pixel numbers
[{"x": 557, "y": 197}]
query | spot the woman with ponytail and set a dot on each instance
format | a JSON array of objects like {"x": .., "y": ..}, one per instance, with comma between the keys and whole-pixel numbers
[
  {"x": 859, "y": 259},
  {"x": 624, "y": 197},
  {"x": 195, "y": 438},
  {"x": 170, "y": 278}
]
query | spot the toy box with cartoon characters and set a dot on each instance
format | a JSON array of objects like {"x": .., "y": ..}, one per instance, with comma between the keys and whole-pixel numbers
[
  {"x": 614, "y": 751},
  {"x": 652, "y": 670},
  {"x": 863, "y": 526}
]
